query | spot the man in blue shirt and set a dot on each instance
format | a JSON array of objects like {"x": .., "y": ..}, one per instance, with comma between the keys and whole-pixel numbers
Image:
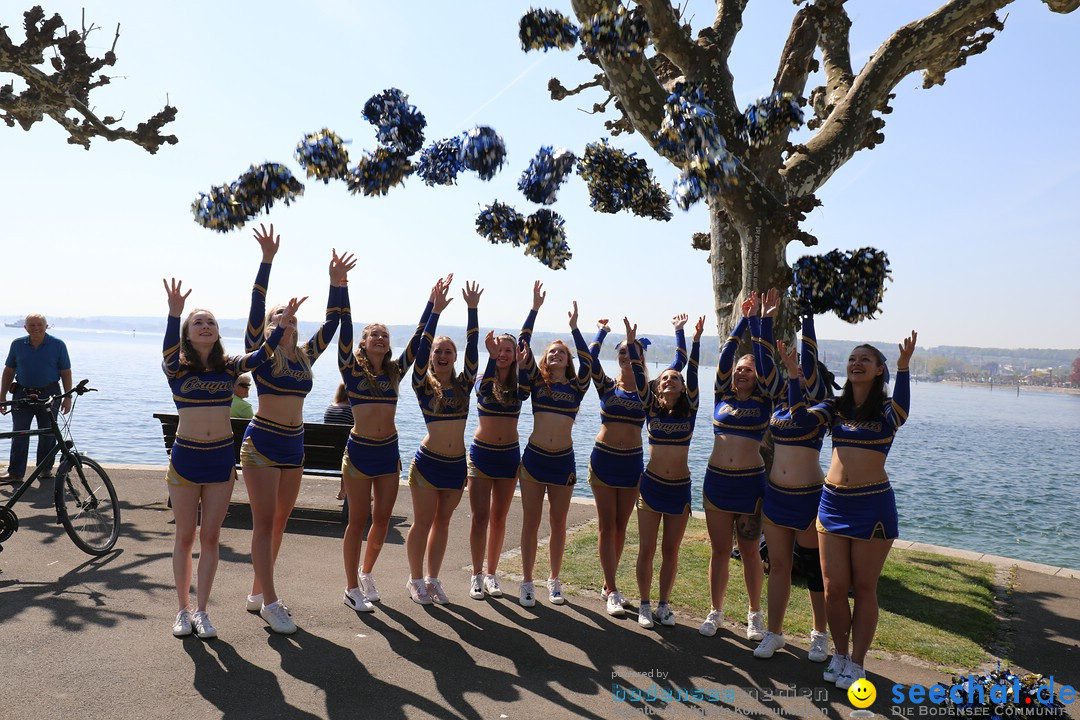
[{"x": 36, "y": 365}]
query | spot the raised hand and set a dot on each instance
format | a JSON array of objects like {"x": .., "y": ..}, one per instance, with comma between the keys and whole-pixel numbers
[
  {"x": 679, "y": 321},
  {"x": 770, "y": 303},
  {"x": 490, "y": 344},
  {"x": 472, "y": 293},
  {"x": 602, "y": 324},
  {"x": 699, "y": 327},
  {"x": 631, "y": 332},
  {"x": 524, "y": 352},
  {"x": 749, "y": 305},
  {"x": 440, "y": 295},
  {"x": 790, "y": 357},
  {"x": 268, "y": 242},
  {"x": 290, "y": 311},
  {"x": 176, "y": 296},
  {"x": 340, "y": 265},
  {"x": 907, "y": 349},
  {"x": 573, "y": 315},
  {"x": 538, "y": 295}
]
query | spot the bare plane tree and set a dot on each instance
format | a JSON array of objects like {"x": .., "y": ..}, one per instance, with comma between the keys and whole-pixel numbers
[
  {"x": 64, "y": 93},
  {"x": 752, "y": 224}
]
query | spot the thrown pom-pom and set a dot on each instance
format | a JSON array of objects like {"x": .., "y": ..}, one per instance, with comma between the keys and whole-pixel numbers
[
  {"x": 440, "y": 162},
  {"x": 483, "y": 152},
  {"x": 399, "y": 124},
  {"x": 620, "y": 181},
  {"x": 546, "y": 172},
  {"x": 688, "y": 128},
  {"x": 545, "y": 29},
  {"x": 705, "y": 176},
  {"x": 500, "y": 223},
  {"x": 851, "y": 284},
  {"x": 770, "y": 115},
  {"x": 218, "y": 209},
  {"x": 263, "y": 185},
  {"x": 616, "y": 34},
  {"x": 377, "y": 172},
  {"x": 323, "y": 156},
  {"x": 546, "y": 238}
]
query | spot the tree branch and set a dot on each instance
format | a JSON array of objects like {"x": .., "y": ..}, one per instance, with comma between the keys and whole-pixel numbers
[
  {"x": 834, "y": 31},
  {"x": 851, "y": 125},
  {"x": 672, "y": 39}
]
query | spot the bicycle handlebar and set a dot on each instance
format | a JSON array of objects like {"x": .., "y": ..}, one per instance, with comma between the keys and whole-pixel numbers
[{"x": 79, "y": 389}]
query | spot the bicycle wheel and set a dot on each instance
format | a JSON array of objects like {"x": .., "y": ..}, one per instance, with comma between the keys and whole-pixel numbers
[{"x": 86, "y": 504}]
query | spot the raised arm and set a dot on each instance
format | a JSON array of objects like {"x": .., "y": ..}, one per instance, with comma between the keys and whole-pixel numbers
[
  {"x": 339, "y": 278},
  {"x": 530, "y": 320},
  {"x": 471, "y": 294},
  {"x": 637, "y": 365},
  {"x": 440, "y": 299},
  {"x": 584, "y": 372},
  {"x": 808, "y": 360},
  {"x": 599, "y": 377},
  {"x": 266, "y": 349},
  {"x": 170, "y": 349},
  {"x": 346, "y": 359},
  {"x": 897, "y": 406},
  {"x": 692, "y": 366},
  {"x": 726, "y": 361},
  {"x": 269, "y": 243},
  {"x": 764, "y": 347},
  {"x": 408, "y": 355},
  {"x": 679, "y": 321}
]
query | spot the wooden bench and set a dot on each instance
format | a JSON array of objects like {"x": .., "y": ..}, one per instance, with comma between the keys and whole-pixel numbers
[{"x": 324, "y": 445}]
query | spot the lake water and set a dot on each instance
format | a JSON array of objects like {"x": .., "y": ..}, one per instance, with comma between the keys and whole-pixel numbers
[{"x": 982, "y": 470}]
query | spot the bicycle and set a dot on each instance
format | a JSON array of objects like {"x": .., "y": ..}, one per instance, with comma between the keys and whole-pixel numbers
[{"x": 85, "y": 499}]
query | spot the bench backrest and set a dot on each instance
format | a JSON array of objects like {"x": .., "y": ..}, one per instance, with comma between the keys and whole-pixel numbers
[{"x": 324, "y": 444}]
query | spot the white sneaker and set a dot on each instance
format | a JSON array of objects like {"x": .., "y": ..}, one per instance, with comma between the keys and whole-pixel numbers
[
  {"x": 852, "y": 671},
  {"x": 604, "y": 593},
  {"x": 181, "y": 627},
  {"x": 280, "y": 622},
  {"x": 491, "y": 586},
  {"x": 367, "y": 584},
  {"x": 835, "y": 668},
  {"x": 417, "y": 591},
  {"x": 526, "y": 595},
  {"x": 712, "y": 622},
  {"x": 435, "y": 591},
  {"x": 755, "y": 625},
  {"x": 354, "y": 598},
  {"x": 769, "y": 645},
  {"x": 555, "y": 591},
  {"x": 200, "y": 622},
  {"x": 614, "y": 607},
  {"x": 619, "y": 598},
  {"x": 819, "y": 646},
  {"x": 644, "y": 615},
  {"x": 665, "y": 614},
  {"x": 476, "y": 587},
  {"x": 254, "y": 603}
]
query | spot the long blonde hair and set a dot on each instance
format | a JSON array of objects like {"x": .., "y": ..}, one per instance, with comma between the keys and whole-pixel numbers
[
  {"x": 506, "y": 393},
  {"x": 279, "y": 363},
  {"x": 437, "y": 390},
  {"x": 389, "y": 367}
]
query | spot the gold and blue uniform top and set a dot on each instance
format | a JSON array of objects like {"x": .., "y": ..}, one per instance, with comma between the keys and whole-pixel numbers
[
  {"x": 750, "y": 417},
  {"x": 455, "y": 402},
  {"x": 620, "y": 405},
  {"x": 807, "y": 430},
  {"x": 487, "y": 404},
  {"x": 664, "y": 427},
  {"x": 561, "y": 398}
]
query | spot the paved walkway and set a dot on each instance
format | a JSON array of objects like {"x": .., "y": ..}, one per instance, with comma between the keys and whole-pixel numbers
[{"x": 89, "y": 637}]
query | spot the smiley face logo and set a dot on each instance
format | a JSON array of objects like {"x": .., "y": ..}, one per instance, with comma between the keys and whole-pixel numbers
[{"x": 862, "y": 693}]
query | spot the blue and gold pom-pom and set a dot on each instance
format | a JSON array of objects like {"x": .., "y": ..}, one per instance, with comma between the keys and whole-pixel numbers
[
  {"x": 399, "y": 125},
  {"x": 546, "y": 239},
  {"x": 851, "y": 284},
  {"x": 703, "y": 177},
  {"x": 440, "y": 162},
  {"x": 688, "y": 128},
  {"x": 379, "y": 171},
  {"x": 500, "y": 223},
  {"x": 770, "y": 115},
  {"x": 323, "y": 156},
  {"x": 263, "y": 185},
  {"x": 546, "y": 29},
  {"x": 616, "y": 34},
  {"x": 621, "y": 181},
  {"x": 218, "y": 209},
  {"x": 546, "y": 172},
  {"x": 483, "y": 151}
]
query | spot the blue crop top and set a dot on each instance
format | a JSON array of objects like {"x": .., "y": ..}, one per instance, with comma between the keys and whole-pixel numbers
[
  {"x": 455, "y": 399},
  {"x": 746, "y": 418},
  {"x": 487, "y": 403},
  {"x": 876, "y": 434},
  {"x": 808, "y": 430},
  {"x": 210, "y": 388},
  {"x": 664, "y": 427},
  {"x": 296, "y": 380},
  {"x": 616, "y": 404},
  {"x": 377, "y": 389},
  {"x": 561, "y": 398}
]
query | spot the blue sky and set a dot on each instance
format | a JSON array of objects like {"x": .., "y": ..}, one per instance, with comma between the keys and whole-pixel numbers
[{"x": 971, "y": 195}]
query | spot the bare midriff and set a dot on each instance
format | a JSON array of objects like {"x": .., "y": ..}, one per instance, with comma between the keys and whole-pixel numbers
[
  {"x": 852, "y": 467},
  {"x": 375, "y": 420},
  {"x": 282, "y": 409},
  {"x": 551, "y": 431},
  {"x": 669, "y": 461},
  {"x": 204, "y": 423},
  {"x": 497, "y": 430},
  {"x": 735, "y": 451},
  {"x": 796, "y": 466},
  {"x": 620, "y": 435},
  {"x": 446, "y": 437}
]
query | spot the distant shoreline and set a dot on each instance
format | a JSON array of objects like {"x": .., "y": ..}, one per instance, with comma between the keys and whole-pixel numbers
[{"x": 1006, "y": 386}]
